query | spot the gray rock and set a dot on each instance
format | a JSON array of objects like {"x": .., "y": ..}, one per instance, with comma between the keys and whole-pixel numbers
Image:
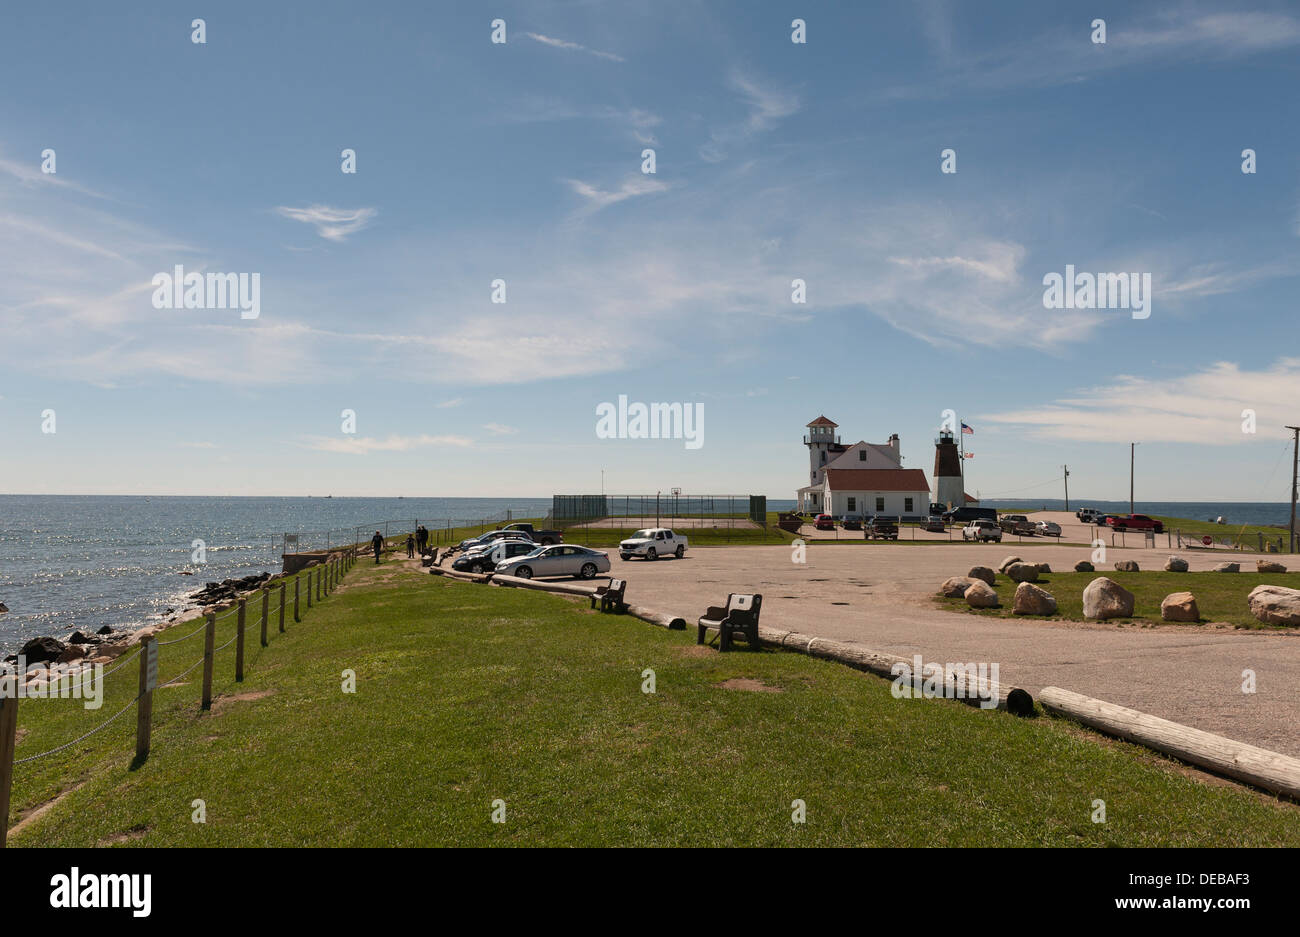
[
  {"x": 981, "y": 595},
  {"x": 1126, "y": 566},
  {"x": 40, "y": 650},
  {"x": 981, "y": 572},
  {"x": 1007, "y": 561},
  {"x": 1175, "y": 564},
  {"x": 1105, "y": 598},
  {"x": 1031, "y": 600},
  {"x": 1275, "y": 605},
  {"x": 1269, "y": 566},
  {"x": 1227, "y": 568},
  {"x": 1022, "y": 572},
  {"x": 1083, "y": 566},
  {"x": 956, "y": 586},
  {"x": 1044, "y": 567}
]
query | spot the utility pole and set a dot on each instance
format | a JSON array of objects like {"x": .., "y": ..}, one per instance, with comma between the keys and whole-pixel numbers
[
  {"x": 1131, "y": 447},
  {"x": 1067, "y": 487},
  {"x": 1295, "y": 464}
]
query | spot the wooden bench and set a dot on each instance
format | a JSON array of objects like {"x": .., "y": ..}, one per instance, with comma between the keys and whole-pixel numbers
[
  {"x": 610, "y": 597},
  {"x": 739, "y": 615}
]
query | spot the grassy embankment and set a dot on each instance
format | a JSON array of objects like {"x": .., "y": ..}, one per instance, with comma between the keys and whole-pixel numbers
[
  {"x": 1219, "y": 596},
  {"x": 468, "y": 694}
]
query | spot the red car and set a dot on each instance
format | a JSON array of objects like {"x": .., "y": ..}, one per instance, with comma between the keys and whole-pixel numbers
[
  {"x": 1135, "y": 522},
  {"x": 824, "y": 522}
]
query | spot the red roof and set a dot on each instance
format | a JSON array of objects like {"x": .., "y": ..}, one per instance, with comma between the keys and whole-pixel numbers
[
  {"x": 877, "y": 480},
  {"x": 970, "y": 500},
  {"x": 822, "y": 421}
]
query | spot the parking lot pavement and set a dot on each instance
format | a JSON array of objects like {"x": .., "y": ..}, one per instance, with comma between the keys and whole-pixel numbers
[{"x": 880, "y": 595}]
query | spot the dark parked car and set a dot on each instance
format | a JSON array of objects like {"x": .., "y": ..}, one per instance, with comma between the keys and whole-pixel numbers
[
  {"x": 882, "y": 527},
  {"x": 966, "y": 515},
  {"x": 484, "y": 561},
  {"x": 852, "y": 522},
  {"x": 934, "y": 524}
]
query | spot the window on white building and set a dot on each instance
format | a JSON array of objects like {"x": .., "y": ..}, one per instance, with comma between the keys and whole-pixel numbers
[
  {"x": 907, "y": 505},
  {"x": 853, "y": 504},
  {"x": 880, "y": 504}
]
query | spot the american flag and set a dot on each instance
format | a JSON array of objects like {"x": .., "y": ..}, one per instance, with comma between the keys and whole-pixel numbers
[{"x": 966, "y": 430}]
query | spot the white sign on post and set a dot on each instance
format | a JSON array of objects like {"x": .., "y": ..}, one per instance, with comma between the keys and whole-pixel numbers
[{"x": 151, "y": 667}]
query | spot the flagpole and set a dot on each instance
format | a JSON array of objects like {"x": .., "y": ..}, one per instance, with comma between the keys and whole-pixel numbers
[{"x": 961, "y": 435}]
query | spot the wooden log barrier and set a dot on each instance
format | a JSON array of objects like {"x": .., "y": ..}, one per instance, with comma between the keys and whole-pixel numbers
[{"x": 1258, "y": 766}]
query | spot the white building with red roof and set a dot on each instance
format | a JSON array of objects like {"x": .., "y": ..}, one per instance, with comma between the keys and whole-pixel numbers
[{"x": 862, "y": 478}]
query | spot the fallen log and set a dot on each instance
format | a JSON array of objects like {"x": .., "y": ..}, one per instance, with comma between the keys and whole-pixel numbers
[
  {"x": 662, "y": 619},
  {"x": 1258, "y": 766}
]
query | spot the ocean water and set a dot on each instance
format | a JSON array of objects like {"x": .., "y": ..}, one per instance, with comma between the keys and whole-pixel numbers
[
  {"x": 1261, "y": 513},
  {"x": 69, "y": 562}
]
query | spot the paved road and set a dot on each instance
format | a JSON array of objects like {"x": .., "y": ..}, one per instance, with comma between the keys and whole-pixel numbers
[{"x": 880, "y": 596}]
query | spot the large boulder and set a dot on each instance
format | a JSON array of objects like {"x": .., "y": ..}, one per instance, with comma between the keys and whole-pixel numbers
[
  {"x": 1275, "y": 605},
  {"x": 1022, "y": 572},
  {"x": 1044, "y": 567},
  {"x": 1268, "y": 566},
  {"x": 1031, "y": 600},
  {"x": 1180, "y": 606},
  {"x": 1007, "y": 561},
  {"x": 3, "y": 608},
  {"x": 1083, "y": 566},
  {"x": 981, "y": 595},
  {"x": 1176, "y": 564},
  {"x": 41, "y": 650},
  {"x": 1105, "y": 598},
  {"x": 1227, "y": 568},
  {"x": 1126, "y": 566},
  {"x": 981, "y": 572},
  {"x": 70, "y": 653},
  {"x": 955, "y": 587}
]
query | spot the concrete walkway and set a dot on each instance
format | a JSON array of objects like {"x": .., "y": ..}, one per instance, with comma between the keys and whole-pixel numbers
[{"x": 881, "y": 596}]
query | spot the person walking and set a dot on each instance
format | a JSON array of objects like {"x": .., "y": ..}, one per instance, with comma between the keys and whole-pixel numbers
[
  {"x": 410, "y": 546},
  {"x": 421, "y": 538},
  {"x": 377, "y": 544}
]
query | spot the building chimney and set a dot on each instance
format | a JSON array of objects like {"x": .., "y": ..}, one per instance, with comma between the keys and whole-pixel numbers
[{"x": 893, "y": 441}]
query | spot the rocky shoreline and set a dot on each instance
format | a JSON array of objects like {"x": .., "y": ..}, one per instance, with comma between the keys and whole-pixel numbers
[{"x": 80, "y": 650}]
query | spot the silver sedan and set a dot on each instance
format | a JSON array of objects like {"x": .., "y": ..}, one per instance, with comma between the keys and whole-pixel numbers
[{"x": 561, "y": 559}]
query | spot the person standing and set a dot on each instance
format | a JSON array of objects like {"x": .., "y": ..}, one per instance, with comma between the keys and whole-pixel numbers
[
  {"x": 421, "y": 538},
  {"x": 377, "y": 544},
  {"x": 410, "y": 546}
]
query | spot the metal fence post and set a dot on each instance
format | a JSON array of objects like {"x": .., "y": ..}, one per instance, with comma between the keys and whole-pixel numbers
[
  {"x": 209, "y": 641},
  {"x": 239, "y": 643}
]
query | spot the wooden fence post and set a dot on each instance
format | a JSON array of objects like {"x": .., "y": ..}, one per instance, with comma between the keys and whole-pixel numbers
[
  {"x": 309, "y": 587},
  {"x": 144, "y": 705},
  {"x": 266, "y": 604},
  {"x": 282, "y": 606},
  {"x": 8, "y": 740},
  {"x": 297, "y": 581},
  {"x": 319, "y": 577},
  {"x": 209, "y": 642},
  {"x": 239, "y": 643}
]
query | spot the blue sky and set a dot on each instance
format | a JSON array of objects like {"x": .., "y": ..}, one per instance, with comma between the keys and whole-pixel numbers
[{"x": 522, "y": 161}]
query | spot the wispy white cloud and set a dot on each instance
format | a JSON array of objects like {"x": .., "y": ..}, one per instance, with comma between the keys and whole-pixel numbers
[
  {"x": 1203, "y": 407},
  {"x": 197, "y": 445},
  {"x": 632, "y": 187},
  {"x": 500, "y": 429},
  {"x": 333, "y": 224},
  {"x": 767, "y": 106},
  {"x": 364, "y": 445},
  {"x": 31, "y": 175},
  {"x": 453, "y": 402},
  {"x": 572, "y": 46}
]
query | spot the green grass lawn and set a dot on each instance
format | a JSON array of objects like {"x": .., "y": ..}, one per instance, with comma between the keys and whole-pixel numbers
[
  {"x": 1219, "y": 596},
  {"x": 468, "y": 694}
]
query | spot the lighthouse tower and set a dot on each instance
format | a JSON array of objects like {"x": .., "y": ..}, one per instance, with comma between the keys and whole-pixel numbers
[
  {"x": 949, "y": 488},
  {"x": 823, "y": 446}
]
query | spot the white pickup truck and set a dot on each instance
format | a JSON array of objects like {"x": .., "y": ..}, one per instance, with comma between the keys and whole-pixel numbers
[{"x": 652, "y": 544}]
